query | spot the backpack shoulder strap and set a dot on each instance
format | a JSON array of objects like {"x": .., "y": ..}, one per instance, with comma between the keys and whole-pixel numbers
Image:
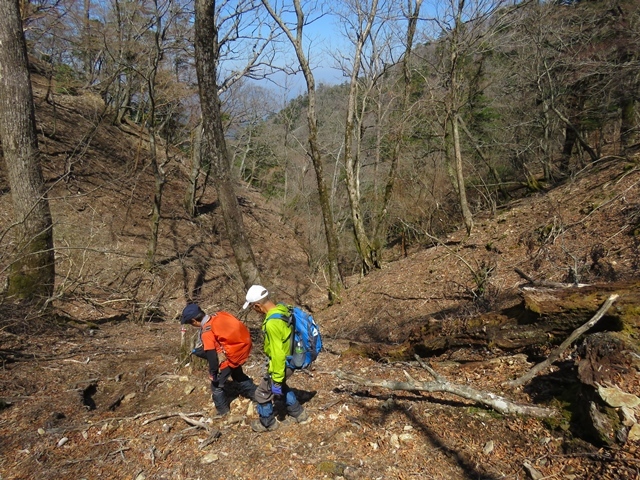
[{"x": 285, "y": 318}]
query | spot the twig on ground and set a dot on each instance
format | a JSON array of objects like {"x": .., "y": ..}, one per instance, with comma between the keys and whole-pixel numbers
[
  {"x": 213, "y": 436},
  {"x": 195, "y": 423},
  {"x": 544, "y": 283},
  {"x": 169, "y": 415}
]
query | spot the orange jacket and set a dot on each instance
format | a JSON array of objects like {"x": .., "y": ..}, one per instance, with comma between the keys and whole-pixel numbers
[{"x": 227, "y": 335}]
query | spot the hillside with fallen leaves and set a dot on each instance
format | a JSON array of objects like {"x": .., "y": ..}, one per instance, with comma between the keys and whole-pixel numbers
[{"x": 103, "y": 387}]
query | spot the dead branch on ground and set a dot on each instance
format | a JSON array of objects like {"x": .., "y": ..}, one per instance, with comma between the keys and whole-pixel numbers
[
  {"x": 95, "y": 424},
  {"x": 564, "y": 345},
  {"x": 213, "y": 436},
  {"x": 169, "y": 415},
  {"x": 193, "y": 422},
  {"x": 441, "y": 384}
]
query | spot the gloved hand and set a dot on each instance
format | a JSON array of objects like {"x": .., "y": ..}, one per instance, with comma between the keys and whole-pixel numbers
[{"x": 276, "y": 388}]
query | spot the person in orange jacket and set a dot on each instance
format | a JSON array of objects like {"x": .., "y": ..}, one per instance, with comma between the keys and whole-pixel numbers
[{"x": 226, "y": 344}]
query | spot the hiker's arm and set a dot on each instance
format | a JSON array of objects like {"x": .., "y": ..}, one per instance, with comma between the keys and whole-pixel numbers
[{"x": 212, "y": 358}]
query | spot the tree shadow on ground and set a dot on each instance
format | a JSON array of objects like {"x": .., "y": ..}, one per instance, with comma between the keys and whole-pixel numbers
[{"x": 381, "y": 414}]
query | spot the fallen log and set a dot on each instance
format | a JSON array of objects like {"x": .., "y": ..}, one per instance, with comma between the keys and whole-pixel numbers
[
  {"x": 440, "y": 384},
  {"x": 544, "y": 318},
  {"x": 547, "y": 284}
]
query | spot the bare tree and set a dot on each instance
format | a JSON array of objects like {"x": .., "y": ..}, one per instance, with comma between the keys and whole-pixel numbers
[
  {"x": 32, "y": 272},
  {"x": 158, "y": 164},
  {"x": 362, "y": 21},
  {"x": 466, "y": 30},
  {"x": 375, "y": 91},
  {"x": 453, "y": 103},
  {"x": 217, "y": 27},
  {"x": 277, "y": 10}
]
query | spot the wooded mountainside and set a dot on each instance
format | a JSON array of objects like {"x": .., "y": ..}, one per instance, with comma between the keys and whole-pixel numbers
[
  {"x": 453, "y": 215},
  {"x": 450, "y": 109}
]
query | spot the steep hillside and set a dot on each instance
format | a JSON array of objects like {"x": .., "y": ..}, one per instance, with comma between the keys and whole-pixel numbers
[
  {"x": 101, "y": 192},
  {"x": 585, "y": 231},
  {"x": 104, "y": 390}
]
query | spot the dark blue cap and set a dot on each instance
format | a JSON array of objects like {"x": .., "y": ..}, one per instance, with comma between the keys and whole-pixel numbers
[{"x": 190, "y": 312}]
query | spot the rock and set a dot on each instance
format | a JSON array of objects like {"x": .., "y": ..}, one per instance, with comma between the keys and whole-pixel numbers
[
  {"x": 209, "y": 458},
  {"x": 634, "y": 433},
  {"x": 533, "y": 473},
  {"x": 395, "y": 443},
  {"x": 405, "y": 437},
  {"x": 330, "y": 467},
  {"x": 188, "y": 389},
  {"x": 388, "y": 405},
  {"x": 627, "y": 416},
  {"x": 601, "y": 423},
  {"x": 62, "y": 441},
  {"x": 488, "y": 447},
  {"x": 129, "y": 396},
  {"x": 351, "y": 473},
  {"x": 232, "y": 419},
  {"x": 41, "y": 431},
  {"x": 615, "y": 397}
]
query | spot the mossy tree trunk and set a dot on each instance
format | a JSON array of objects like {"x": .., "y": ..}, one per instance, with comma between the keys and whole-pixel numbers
[{"x": 32, "y": 271}]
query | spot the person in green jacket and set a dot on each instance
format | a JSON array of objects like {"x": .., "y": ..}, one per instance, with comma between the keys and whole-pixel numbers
[{"x": 277, "y": 345}]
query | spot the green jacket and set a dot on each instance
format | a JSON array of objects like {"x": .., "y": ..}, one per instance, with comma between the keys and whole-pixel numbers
[{"x": 277, "y": 344}]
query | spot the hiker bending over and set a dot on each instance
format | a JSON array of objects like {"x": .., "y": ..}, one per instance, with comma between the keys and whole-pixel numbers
[
  {"x": 277, "y": 345},
  {"x": 226, "y": 344}
]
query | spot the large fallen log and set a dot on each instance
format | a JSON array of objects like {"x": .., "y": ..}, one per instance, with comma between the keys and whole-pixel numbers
[
  {"x": 545, "y": 317},
  {"x": 440, "y": 384}
]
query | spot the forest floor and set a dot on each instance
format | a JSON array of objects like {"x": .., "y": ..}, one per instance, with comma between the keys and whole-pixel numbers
[
  {"x": 87, "y": 396},
  {"x": 115, "y": 402}
]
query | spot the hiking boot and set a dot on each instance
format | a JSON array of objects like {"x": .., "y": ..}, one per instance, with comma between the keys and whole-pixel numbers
[
  {"x": 257, "y": 426},
  {"x": 301, "y": 419}
]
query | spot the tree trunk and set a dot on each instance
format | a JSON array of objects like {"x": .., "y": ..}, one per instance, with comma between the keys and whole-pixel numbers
[
  {"x": 367, "y": 254},
  {"x": 196, "y": 162},
  {"x": 32, "y": 272},
  {"x": 380, "y": 229},
  {"x": 157, "y": 167},
  {"x": 335, "y": 280},
  {"x": 207, "y": 51},
  {"x": 462, "y": 191},
  {"x": 628, "y": 126}
]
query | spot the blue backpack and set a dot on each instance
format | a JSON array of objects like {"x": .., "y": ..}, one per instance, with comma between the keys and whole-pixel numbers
[{"x": 306, "y": 342}]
